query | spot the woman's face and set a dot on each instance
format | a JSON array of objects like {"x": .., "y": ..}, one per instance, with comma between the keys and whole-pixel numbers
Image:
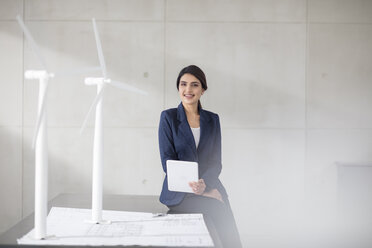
[{"x": 190, "y": 89}]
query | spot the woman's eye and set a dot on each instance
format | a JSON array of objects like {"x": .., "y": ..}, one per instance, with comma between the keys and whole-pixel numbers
[{"x": 195, "y": 85}]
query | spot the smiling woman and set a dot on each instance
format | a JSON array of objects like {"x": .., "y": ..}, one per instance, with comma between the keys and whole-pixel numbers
[
  {"x": 191, "y": 84},
  {"x": 190, "y": 133}
]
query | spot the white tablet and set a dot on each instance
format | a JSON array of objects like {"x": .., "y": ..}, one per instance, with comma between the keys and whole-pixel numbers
[{"x": 180, "y": 173}]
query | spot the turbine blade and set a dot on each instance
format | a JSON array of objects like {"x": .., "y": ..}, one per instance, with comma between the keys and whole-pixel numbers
[
  {"x": 128, "y": 87},
  {"x": 95, "y": 101},
  {"x": 40, "y": 116},
  {"x": 73, "y": 72},
  {"x": 32, "y": 42},
  {"x": 99, "y": 49}
]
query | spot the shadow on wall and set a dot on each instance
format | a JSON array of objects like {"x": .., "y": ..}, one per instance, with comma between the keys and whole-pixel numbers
[
  {"x": 10, "y": 176},
  {"x": 67, "y": 169}
]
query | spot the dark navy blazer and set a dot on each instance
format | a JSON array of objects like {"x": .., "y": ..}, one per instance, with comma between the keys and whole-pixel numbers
[{"x": 176, "y": 142}]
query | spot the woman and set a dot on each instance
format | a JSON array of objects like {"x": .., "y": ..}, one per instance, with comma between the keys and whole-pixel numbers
[{"x": 190, "y": 133}]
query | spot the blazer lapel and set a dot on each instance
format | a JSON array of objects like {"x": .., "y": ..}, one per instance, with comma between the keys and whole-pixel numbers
[{"x": 184, "y": 127}]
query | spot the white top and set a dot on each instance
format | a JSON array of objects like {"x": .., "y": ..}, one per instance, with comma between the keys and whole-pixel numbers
[{"x": 196, "y": 133}]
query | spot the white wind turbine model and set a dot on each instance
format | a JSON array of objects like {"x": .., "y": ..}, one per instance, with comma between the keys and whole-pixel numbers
[
  {"x": 101, "y": 83},
  {"x": 40, "y": 139}
]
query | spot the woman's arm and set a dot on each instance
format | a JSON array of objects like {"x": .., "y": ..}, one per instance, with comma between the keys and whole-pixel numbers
[
  {"x": 211, "y": 174},
  {"x": 166, "y": 145},
  {"x": 206, "y": 186}
]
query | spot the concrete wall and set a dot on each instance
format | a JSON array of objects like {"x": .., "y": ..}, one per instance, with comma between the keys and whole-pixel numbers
[{"x": 290, "y": 79}]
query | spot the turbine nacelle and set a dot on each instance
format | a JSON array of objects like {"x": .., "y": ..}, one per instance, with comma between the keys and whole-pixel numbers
[
  {"x": 96, "y": 80},
  {"x": 38, "y": 74}
]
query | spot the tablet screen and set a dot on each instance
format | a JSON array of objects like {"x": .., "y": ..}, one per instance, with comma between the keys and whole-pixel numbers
[{"x": 180, "y": 173}]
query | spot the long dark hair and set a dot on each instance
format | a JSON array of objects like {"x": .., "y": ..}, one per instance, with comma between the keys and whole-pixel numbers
[{"x": 196, "y": 72}]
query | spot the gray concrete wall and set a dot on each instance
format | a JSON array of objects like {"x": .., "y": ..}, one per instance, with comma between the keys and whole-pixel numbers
[{"x": 290, "y": 79}]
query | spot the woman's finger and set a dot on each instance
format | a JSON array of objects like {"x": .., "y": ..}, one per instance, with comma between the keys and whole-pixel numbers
[{"x": 192, "y": 184}]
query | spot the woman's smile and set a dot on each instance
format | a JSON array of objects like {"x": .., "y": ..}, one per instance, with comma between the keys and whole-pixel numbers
[
  {"x": 190, "y": 89},
  {"x": 189, "y": 95}
]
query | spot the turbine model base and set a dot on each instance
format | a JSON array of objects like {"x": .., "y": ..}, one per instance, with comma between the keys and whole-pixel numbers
[
  {"x": 48, "y": 237},
  {"x": 101, "y": 222}
]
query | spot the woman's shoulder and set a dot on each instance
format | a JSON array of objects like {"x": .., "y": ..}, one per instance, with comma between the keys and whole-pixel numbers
[
  {"x": 169, "y": 112},
  {"x": 211, "y": 114}
]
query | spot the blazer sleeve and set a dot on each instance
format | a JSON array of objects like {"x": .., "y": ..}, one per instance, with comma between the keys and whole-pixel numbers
[
  {"x": 213, "y": 171},
  {"x": 166, "y": 144}
]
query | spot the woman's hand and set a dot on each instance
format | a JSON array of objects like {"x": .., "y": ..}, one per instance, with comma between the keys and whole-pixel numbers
[
  {"x": 198, "y": 187},
  {"x": 214, "y": 193}
]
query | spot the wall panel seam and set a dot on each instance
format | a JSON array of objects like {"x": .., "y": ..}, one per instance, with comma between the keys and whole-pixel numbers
[
  {"x": 165, "y": 53},
  {"x": 90, "y": 20},
  {"x": 22, "y": 118}
]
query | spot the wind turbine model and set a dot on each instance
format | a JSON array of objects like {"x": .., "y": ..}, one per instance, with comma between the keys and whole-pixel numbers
[
  {"x": 40, "y": 139},
  {"x": 101, "y": 83}
]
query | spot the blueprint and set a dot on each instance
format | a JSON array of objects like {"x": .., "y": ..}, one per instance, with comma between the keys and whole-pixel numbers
[{"x": 69, "y": 226}]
